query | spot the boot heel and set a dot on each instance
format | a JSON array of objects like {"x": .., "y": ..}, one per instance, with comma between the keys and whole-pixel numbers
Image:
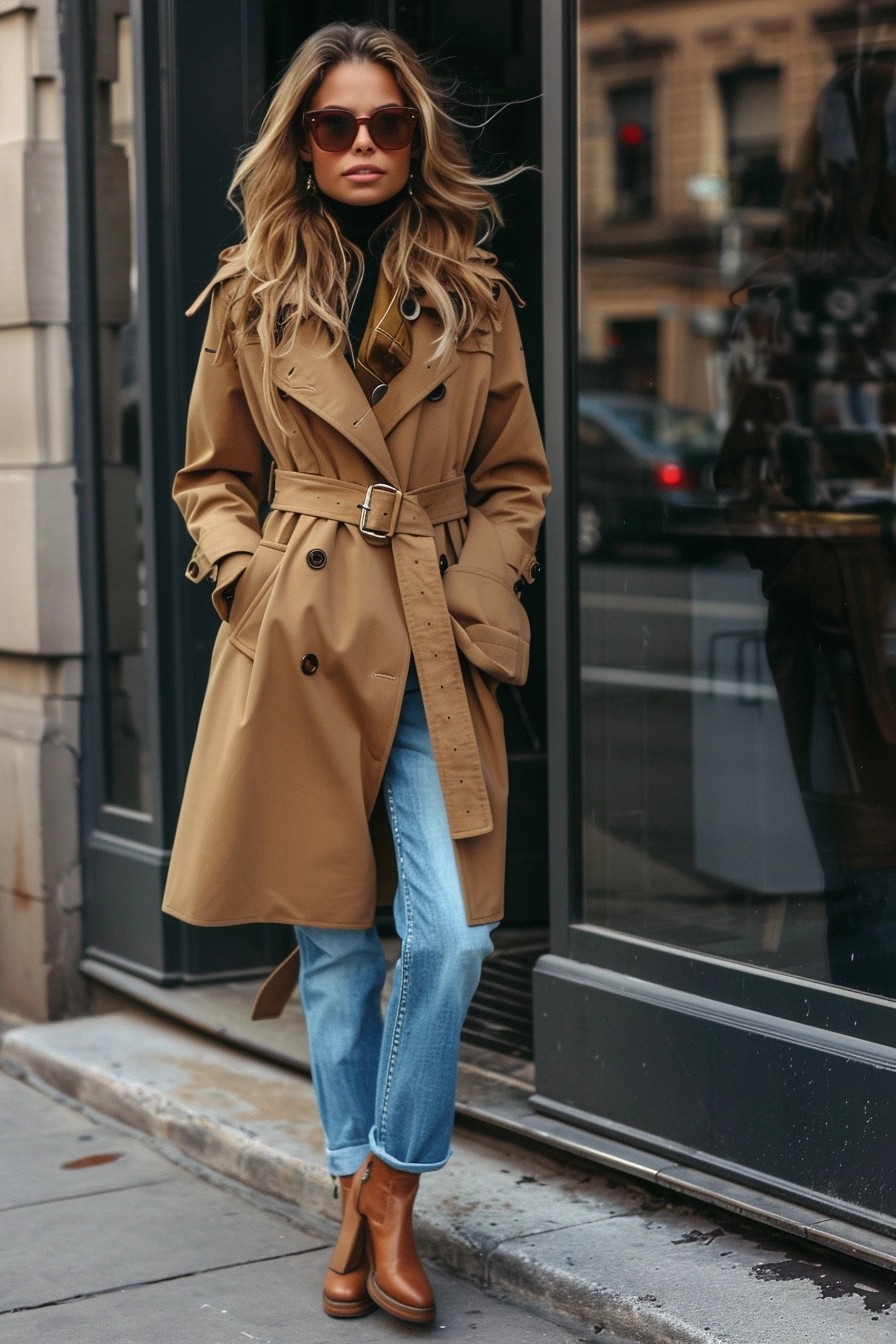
[{"x": 345, "y": 1282}]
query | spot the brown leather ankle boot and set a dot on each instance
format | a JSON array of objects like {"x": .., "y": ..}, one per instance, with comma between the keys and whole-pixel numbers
[
  {"x": 345, "y": 1282},
  {"x": 397, "y": 1280}
]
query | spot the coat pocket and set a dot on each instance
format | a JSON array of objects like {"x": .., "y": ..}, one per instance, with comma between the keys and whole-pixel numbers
[
  {"x": 490, "y": 624},
  {"x": 252, "y": 594}
]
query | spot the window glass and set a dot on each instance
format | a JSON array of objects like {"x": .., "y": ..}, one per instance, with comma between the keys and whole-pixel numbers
[
  {"x": 735, "y": 477},
  {"x": 128, "y": 783}
]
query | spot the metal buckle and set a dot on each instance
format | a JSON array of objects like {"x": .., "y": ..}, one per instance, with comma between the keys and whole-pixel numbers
[{"x": 377, "y": 535}]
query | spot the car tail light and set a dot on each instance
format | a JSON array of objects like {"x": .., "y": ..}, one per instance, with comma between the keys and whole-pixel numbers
[{"x": 673, "y": 476}]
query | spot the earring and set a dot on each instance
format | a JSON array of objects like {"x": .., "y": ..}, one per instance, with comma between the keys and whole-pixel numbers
[
  {"x": 410, "y": 183},
  {"x": 310, "y": 184}
]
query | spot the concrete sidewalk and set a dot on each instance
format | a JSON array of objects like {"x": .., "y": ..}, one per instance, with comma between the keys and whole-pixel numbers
[
  {"x": 107, "y": 1241},
  {"x": 616, "y": 1259}
]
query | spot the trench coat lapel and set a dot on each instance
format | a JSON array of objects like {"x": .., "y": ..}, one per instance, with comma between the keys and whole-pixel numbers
[
  {"x": 322, "y": 380},
  {"x": 420, "y": 376}
]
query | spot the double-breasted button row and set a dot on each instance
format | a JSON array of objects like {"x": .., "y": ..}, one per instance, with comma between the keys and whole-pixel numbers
[
  {"x": 309, "y": 664},
  {"x": 316, "y": 558}
]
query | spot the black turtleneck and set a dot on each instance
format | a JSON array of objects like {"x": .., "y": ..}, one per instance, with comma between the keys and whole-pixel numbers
[{"x": 358, "y": 224}]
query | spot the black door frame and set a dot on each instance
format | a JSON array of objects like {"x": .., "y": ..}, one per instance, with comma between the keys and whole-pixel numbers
[{"x": 186, "y": 140}]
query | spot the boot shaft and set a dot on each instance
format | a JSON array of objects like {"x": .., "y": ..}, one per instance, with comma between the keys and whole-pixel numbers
[{"x": 385, "y": 1195}]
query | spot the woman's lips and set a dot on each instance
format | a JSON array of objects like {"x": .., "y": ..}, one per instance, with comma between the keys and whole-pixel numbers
[{"x": 364, "y": 174}]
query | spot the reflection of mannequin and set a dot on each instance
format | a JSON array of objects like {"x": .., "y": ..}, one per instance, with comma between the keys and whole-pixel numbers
[{"x": 808, "y": 470}]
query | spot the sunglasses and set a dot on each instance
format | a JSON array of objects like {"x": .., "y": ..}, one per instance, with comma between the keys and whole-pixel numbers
[{"x": 334, "y": 130}]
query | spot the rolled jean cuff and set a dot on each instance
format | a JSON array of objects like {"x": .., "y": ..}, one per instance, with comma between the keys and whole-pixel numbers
[
  {"x": 346, "y": 1161},
  {"x": 418, "y": 1168}
]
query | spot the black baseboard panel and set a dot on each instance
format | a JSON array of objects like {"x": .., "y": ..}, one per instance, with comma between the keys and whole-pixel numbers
[
  {"x": 125, "y": 927},
  {"x": 802, "y": 1112}
]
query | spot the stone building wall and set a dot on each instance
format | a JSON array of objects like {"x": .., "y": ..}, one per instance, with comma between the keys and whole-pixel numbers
[{"x": 40, "y": 600}]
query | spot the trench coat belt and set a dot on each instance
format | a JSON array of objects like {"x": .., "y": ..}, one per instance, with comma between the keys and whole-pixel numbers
[{"x": 381, "y": 511}]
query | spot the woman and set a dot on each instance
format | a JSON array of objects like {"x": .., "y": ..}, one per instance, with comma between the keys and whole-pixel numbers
[{"x": 350, "y": 736}]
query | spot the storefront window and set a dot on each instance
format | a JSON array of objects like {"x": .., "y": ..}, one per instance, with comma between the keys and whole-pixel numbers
[{"x": 735, "y": 483}]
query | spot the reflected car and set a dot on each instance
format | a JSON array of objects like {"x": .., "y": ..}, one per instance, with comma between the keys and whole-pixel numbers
[{"x": 645, "y": 474}]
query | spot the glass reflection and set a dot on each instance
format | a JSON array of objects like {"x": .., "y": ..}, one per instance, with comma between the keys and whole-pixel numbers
[{"x": 737, "y": 412}]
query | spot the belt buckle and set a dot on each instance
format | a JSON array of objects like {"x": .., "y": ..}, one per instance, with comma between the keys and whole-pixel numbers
[{"x": 377, "y": 535}]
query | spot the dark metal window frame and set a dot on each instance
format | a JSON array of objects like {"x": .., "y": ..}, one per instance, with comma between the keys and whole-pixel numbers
[{"x": 765, "y": 1093}]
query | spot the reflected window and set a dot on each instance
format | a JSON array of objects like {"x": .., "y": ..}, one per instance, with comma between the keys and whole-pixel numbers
[
  {"x": 631, "y": 111},
  {"x": 751, "y": 101}
]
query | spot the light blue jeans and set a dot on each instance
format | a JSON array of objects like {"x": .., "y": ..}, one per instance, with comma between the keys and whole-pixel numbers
[{"x": 388, "y": 1087}]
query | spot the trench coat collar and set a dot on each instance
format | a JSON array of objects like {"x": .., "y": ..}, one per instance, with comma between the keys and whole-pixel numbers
[{"x": 323, "y": 381}]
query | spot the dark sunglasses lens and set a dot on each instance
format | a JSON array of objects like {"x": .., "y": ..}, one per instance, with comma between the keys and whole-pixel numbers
[
  {"x": 334, "y": 131},
  {"x": 391, "y": 128}
]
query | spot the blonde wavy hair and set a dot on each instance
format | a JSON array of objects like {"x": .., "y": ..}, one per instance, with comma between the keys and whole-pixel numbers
[{"x": 296, "y": 258}]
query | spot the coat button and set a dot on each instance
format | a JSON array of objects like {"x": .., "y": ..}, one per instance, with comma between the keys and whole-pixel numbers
[
  {"x": 309, "y": 664},
  {"x": 518, "y": 587},
  {"x": 443, "y": 563},
  {"x": 192, "y": 569},
  {"x": 536, "y": 569},
  {"x": 437, "y": 393},
  {"x": 410, "y": 307},
  {"x": 378, "y": 393},
  {"x": 316, "y": 559}
]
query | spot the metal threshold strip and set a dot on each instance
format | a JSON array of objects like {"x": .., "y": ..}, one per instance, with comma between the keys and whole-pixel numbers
[{"x": 496, "y": 1091}]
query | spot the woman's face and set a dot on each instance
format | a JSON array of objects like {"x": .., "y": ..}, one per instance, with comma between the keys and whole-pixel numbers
[{"x": 363, "y": 174}]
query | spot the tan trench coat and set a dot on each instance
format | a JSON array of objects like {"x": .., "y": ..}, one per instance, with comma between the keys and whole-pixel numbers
[{"x": 280, "y": 819}]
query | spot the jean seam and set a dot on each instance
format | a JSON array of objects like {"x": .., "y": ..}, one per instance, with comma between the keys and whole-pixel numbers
[{"x": 406, "y": 946}]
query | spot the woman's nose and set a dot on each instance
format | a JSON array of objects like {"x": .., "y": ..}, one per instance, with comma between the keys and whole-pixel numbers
[{"x": 362, "y": 139}]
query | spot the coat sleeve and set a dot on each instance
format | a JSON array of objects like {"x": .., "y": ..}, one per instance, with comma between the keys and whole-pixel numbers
[
  {"x": 507, "y": 474},
  {"x": 219, "y": 487}
]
